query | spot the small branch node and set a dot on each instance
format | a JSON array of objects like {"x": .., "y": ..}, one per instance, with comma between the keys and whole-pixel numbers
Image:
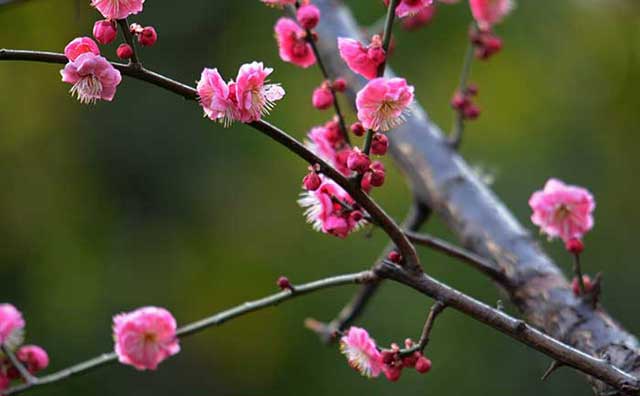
[{"x": 551, "y": 369}]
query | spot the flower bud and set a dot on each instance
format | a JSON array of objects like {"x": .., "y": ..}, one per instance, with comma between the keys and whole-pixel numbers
[
  {"x": 148, "y": 36},
  {"x": 105, "y": 31},
  {"x": 460, "y": 101},
  {"x": 308, "y": 16},
  {"x": 471, "y": 112},
  {"x": 394, "y": 257},
  {"x": 393, "y": 372},
  {"x": 33, "y": 357},
  {"x": 284, "y": 284},
  {"x": 377, "y": 174},
  {"x": 388, "y": 356},
  {"x": 124, "y": 51},
  {"x": 339, "y": 84},
  {"x": 379, "y": 144},
  {"x": 356, "y": 216},
  {"x": 311, "y": 181},
  {"x": 575, "y": 285},
  {"x": 423, "y": 365},
  {"x": 322, "y": 98},
  {"x": 358, "y": 161},
  {"x": 357, "y": 129},
  {"x": 574, "y": 245},
  {"x": 365, "y": 183}
]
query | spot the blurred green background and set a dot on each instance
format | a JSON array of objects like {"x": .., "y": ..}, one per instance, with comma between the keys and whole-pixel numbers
[{"x": 142, "y": 201}]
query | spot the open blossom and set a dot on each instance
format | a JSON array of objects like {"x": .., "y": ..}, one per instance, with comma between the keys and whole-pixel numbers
[
  {"x": 117, "y": 9},
  {"x": 92, "y": 76},
  {"x": 254, "y": 97},
  {"x": 489, "y": 12},
  {"x": 246, "y": 100},
  {"x": 420, "y": 19},
  {"x": 362, "y": 60},
  {"x": 563, "y": 211},
  {"x": 11, "y": 326},
  {"x": 326, "y": 213},
  {"x": 328, "y": 143},
  {"x": 382, "y": 103},
  {"x": 145, "y": 337},
  {"x": 278, "y": 3},
  {"x": 361, "y": 352},
  {"x": 292, "y": 43},
  {"x": 79, "y": 46}
]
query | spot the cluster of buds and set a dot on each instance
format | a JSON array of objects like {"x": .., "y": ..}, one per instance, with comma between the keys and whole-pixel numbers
[
  {"x": 146, "y": 35},
  {"x": 462, "y": 102},
  {"x": 395, "y": 361},
  {"x": 486, "y": 43},
  {"x": 322, "y": 97},
  {"x": 586, "y": 281}
]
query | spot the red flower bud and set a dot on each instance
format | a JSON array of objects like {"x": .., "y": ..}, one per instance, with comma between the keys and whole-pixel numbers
[
  {"x": 394, "y": 257},
  {"x": 105, "y": 31},
  {"x": 148, "y": 36},
  {"x": 358, "y": 161},
  {"x": 379, "y": 144},
  {"x": 377, "y": 174},
  {"x": 575, "y": 285},
  {"x": 339, "y": 84},
  {"x": 460, "y": 101},
  {"x": 357, "y": 129},
  {"x": 124, "y": 51},
  {"x": 423, "y": 365},
  {"x": 322, "y": 98},
  {"x": 308, "y": 16},
  {"x": 471, "y": 112},
  {"x": 311, "y": 181},
  {"x": 574, "y": 245},
  {"x": 284, "y": 284}
]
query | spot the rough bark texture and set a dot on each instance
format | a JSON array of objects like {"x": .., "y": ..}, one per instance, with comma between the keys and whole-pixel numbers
[{"x": 440, "y": 178}]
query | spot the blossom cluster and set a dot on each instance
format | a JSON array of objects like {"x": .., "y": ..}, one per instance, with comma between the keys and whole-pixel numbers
[
  {"x": 32, "y": 357},
  {"x": 364, "y": 355}
]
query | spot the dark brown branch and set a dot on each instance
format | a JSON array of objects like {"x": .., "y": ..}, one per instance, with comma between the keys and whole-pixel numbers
[
  {"x": 436, "y": 309},
  {"x": 479, "y": 263},
  {"x": 441, "y": 179},
  {"x": 196, "y": 327},
  {"x": 515, "y": 328}
]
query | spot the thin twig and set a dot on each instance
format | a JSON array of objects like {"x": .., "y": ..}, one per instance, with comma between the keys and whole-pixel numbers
[
  {"x": 458, "y": 124},
  {"x": 196, "y": 327},
  {"x": 436, "y": 309},
  {"x": 577, "y": 270},
  {"x": 479, "y": 263},
  {"x": 551, "y": 369}
]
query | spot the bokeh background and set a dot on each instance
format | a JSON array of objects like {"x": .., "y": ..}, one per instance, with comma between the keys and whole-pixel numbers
[{"x": 141, "y": 201}]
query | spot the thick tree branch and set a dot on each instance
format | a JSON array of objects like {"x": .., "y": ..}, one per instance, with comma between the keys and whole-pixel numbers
[
  {"x": 515, "y": 328},
  {"x": 196, "y": 327},
  {"x": 443, "y": 181}
]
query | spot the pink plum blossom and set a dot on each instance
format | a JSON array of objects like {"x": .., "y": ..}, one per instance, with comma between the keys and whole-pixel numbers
[
  {"x": 79, "y": 46},
  {"x": 490, "y": 12},
  {"x": 328, "y": 143},
  {"x": 562, "y": 210},
  {"x": 325, "y": 212},
  {"x": 419, "y": 19},
  {"x": 362, "y": 60},
  {"x": 11, "y": 326},
  {"x": 382, "y": 103},
  {"x": 254, "y": 97},
  {"x": 292, "y": 43},
  {"x": 145, "y": 337},
  {"x": 244, "y": 100},
  {"x": 278, "y": 3},
  {"x": 214, "y": 95},
  {"x": 92, "y": 77},
  {"x": 361, "y": 352},
  {"x": 117, "y": 9}
]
